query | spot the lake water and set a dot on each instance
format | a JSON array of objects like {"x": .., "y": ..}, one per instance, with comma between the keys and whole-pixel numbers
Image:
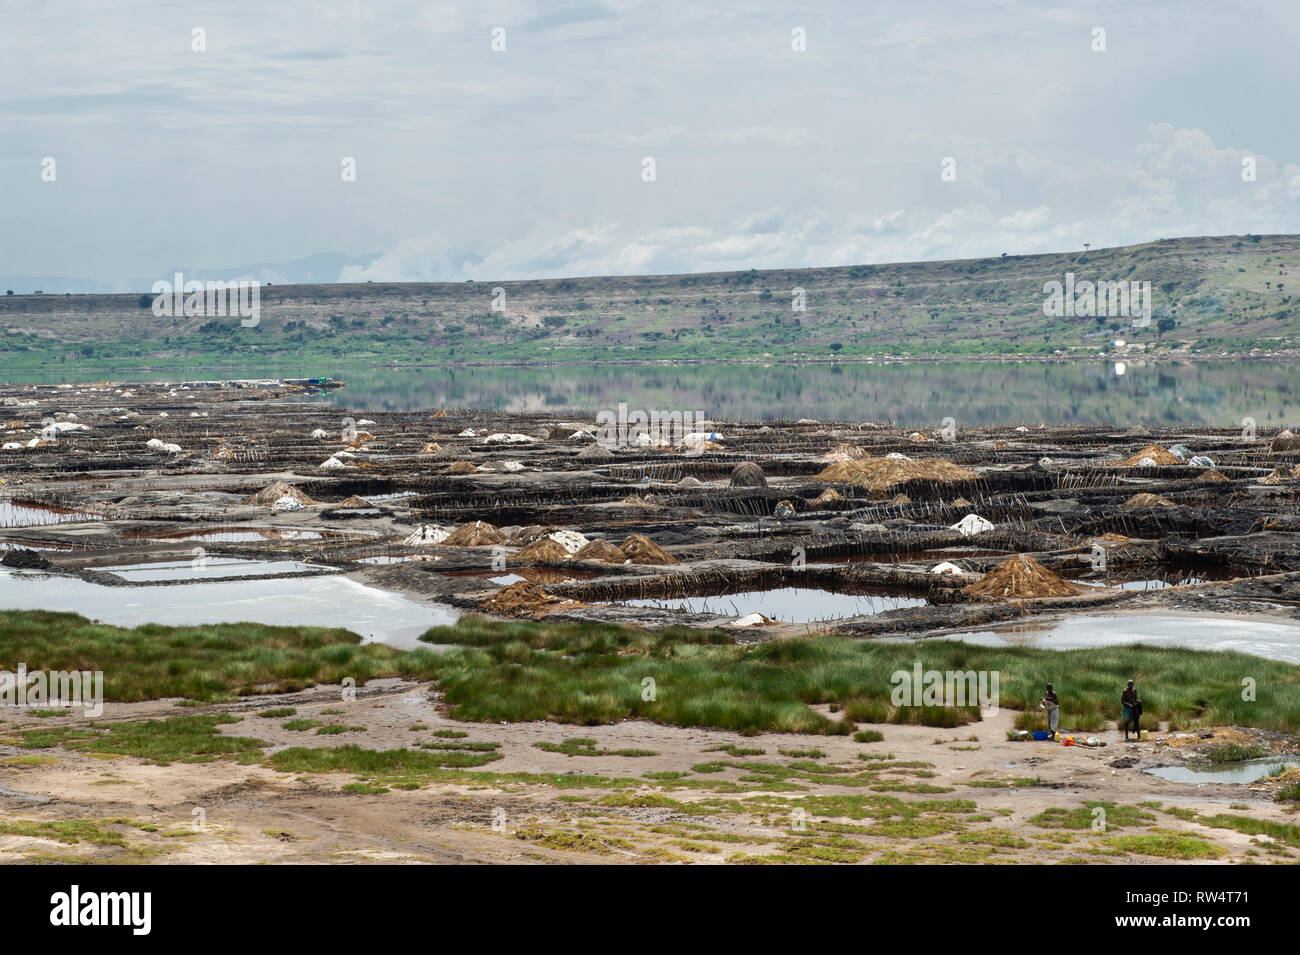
[
  {"x": 787, "y": 604},
  {"x": 1273, "y": 641},
  {"x": 911, "y": 394},
  {"x": 325, "y": 601}
]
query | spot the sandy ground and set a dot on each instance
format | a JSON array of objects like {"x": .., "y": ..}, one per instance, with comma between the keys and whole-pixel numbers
[{"x": 231, "y": 812}]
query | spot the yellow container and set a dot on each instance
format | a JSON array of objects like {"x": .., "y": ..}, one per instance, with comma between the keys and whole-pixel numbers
[{"x": 1143, "y": 734}]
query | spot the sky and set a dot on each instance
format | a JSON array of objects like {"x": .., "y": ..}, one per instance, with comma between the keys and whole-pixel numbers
[{"x": 530, "y": 160}]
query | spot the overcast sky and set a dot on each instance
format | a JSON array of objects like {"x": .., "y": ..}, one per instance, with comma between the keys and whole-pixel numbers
[{"x": 526, "y": 163}]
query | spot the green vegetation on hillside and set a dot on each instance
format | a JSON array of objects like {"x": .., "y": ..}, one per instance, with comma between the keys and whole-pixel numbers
[{"x": 1210, "y": 295}]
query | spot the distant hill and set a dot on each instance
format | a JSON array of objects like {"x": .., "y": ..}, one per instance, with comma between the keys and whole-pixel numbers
[{"x": 1210, "y": 296}]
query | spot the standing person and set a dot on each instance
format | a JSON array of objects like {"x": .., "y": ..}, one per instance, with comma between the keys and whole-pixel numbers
[
  {"x": 1052, "y": 703},
  {"x": 1132, "y": 707}
]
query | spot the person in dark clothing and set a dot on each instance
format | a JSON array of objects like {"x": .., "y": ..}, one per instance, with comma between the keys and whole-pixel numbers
[
  {"x": 1132, "y": 707},
  {"x": 1052, "y": 703}
]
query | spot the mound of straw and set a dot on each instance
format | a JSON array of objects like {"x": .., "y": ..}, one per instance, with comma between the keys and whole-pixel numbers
[
  {"x": 522, "y": 599},
  {"x": 1020, "y": 576},
  {"x": 828, "y": 496},
  {"x": 642, "y": 550},
  {"x": 355, "y": 501},
  {"x": 1139, "y": 501},
  {"x": 601, "y": 549},
  {"x": 1156, "y": 453},
  {"x": 542, "y": 551},
  {"x": 276, "y": 490},
  {"x": 881, "y": 474},
  {"x": 476, "y": 534}
]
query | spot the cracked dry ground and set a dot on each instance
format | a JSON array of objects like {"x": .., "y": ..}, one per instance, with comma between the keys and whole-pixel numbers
[{"x": 442, "y": 791}]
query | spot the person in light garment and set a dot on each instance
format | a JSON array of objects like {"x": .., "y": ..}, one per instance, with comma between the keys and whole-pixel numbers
[
  {"x": 1052, "y": 703},
  {"x": 1132, "y": 710}
]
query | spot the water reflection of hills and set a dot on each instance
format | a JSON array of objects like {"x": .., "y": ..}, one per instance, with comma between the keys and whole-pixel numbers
[
  {"x": 915, "y": 394},
  {"x": 910, "y": 394}
]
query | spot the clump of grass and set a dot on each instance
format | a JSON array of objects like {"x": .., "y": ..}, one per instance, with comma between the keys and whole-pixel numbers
[
  {"x": 868, "y": 736},
  {"x": 210, "y": 662},
  {"x": 334, "y": 729},
  {"x": 299, "y": 725},
  {"x": 279, "y": 711},
  {"x": 1288, "y": 793},
  {"x": 1116, "y": 817},
  {"x": 583, "y": 746},
  {"x": 803, "y": 753},
  {"x": 1166, "y": 845},
  {"x": 941, "y": 716},
  {"x": 731, "y": 749},
  {"x": 365, "y": 789},
  {"x": 449, "y": 734},
  {"x": 1234, "y": 752},
  {"x": 186, "y": 739},
  {"x": 385, "y": 764}
]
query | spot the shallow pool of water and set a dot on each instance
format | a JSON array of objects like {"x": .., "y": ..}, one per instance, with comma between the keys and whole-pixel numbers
[
  {"x": 1273, "y": 641},
  {"x": 787, "y": 604},
  {"x": 209, "y": 568},
  {"x": 325, "y": 601},
  {"x": 236, "y": 535},
  {"x": 1246, "y": 771}
]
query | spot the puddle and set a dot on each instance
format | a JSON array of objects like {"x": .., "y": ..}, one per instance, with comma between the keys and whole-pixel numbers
[
  {"x": 211, "y": 568},
  {"x": 1273, "y": 641},
  {"x": 1246, "y": 771},
  {"x": 38, "y": 515},
  {"x": 787, "y": 604},
  {"x": 235, "y": 535},
  {"x": 325, "y": 601}
]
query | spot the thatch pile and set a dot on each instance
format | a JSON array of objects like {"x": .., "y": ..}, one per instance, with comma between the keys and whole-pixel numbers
[
  {"x": 1284, "y": 441},
  {"x": 430, "y": 448},
  {"x": 596, "y": 452},
  {"x": 1139, "y": 501},
  {"x": 522, "y": 599},
  {"x": 476, "y": 534},
  {"x": 642, "y": 550},
  {"x": 843, "y": 452},
  {"x": 881, "y": 474},
  {"x": 827, "y": 497},
  {"x": 526, "y": 535},
  {"x": 1279, "y": 476},
  {"x": 1156, "y": 453},
  {"x": 274, "y": 492},
  {"x": 748, "y": 474},
  {"x": 542, "y": 551},
  {"x": 602, "y": 550},
  {"x": 459, "y": 467},
  {"x": 1020, "y": 576},
  {"x": 354, "y": 501},
  {"x": 1214, "y": 476}
]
